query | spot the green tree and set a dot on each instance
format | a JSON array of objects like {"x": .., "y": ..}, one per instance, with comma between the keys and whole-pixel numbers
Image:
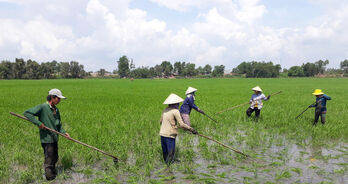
[
  {"x": 244, "y": 68},
  {"x": 190, "y": 70},
  {"x": 46, "y": 70},
  {"x": 19, "y": 68},
  {"x": 310, "y": 69},
  {"x": 76, "y": 70},
  {"x": 296, "y": 71},
  {"x": 344, "y": 66},
  {"x": 6, "y": 71},
  {"x": 258, "y": 69},
  {"x": 218, "y": 71},
  {"x": 200, "y": 71},
  {"x": 321, "y": 65},
  {"x": 64, "y": 69},
  {"x": 207, "y": 69},
  {"x": 33, "y": 70},
  {"x": 141, "y": 73},
  {"x": 123, "y": 66},
  {"x": 178, "y": 69},
  {"x": 55, "y": 67},
  {"x": 158, "y": 71},
  {"x": 167, "y": 68},
  {"x": 152, "y": 72}
]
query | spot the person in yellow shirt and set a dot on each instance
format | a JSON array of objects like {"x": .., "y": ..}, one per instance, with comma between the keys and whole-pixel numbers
[{"x": 168, "y": 132}]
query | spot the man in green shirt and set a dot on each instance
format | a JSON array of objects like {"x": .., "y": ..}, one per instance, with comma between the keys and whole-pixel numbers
[{"x": 48, "y": 116}]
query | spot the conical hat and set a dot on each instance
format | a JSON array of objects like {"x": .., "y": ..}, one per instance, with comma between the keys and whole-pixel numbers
[
  {"x": 318, "y": 92},
  {"x": 257, "y": 88},
  {"x": 173, "y": 99},
  {"x": 190, "y": 90}
]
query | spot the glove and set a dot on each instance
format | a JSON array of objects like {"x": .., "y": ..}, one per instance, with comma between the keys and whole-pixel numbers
[
  {"x": 310, "y": 106},
  {"x": 194, "y": 131},
  {"x": 269, "y": 96}
]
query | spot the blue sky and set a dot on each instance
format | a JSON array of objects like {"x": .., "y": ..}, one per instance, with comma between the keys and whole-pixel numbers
[{"x": 97, "y": 32}]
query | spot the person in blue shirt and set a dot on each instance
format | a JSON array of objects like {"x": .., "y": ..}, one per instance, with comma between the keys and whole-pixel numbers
[
  {"x": 188, "y": 105},
  {"x": 320, "y": 106}
]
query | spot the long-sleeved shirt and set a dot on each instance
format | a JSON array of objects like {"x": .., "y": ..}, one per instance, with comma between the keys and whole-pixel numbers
[
  {"x": 46, "y": 115},
  {"x": 320, "y": 103},
  {"x": 256, "y": 100},
  {"x": 169, "y": 120},
  {"x": 188, "y": 104}
]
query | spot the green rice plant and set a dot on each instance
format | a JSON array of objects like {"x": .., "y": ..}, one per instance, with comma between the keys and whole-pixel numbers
[
  {"x": 283, "y": 174},
  {"x": 340, "y": 171},
  {"x": 67, "y": 161},
  {"x": 122, "y": 118},
  {"x": 296, "y": 170},
  {"x": 26, "y": 177}
]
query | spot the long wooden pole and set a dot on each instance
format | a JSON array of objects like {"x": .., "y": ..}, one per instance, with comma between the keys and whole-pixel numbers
[
  {"x": 210, "y": 117},
  {"x": 243, "y": 104},
  {"x": 304, "y": 111},
  {"x": 228, "y": 109},
  {"x": 224, "y": 145},
  {"x": 69, "y": 138}
]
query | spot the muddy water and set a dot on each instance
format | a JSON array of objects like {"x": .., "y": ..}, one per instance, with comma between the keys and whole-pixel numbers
[{"x": 283, "y": 162}]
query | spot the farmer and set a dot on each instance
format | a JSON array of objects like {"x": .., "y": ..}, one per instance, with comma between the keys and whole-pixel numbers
[
  {"x": 170, "y": 118},
  {"x": 188, "y": 104},
  {"x": 48, "y": 116},
  {"x": 320, "y": 106},
  {"x": 256, "y": 102}
]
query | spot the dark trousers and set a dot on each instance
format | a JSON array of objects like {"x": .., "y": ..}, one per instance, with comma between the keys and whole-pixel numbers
[
  {"x": 250, "y": 111},
  {"x": 168, "y": 148},
  {"x": 322, "y": 116},
  {"x": 51, "y": 158}
]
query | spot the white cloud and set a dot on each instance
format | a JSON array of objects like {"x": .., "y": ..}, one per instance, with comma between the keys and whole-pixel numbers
[{"x": 96, "y": 33}]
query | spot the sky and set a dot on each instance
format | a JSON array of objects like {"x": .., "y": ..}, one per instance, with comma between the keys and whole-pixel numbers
[{"x": 96, "y": 33}]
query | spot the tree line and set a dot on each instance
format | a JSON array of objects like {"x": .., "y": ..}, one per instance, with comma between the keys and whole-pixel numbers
[
  {"x": 268, "y": 69},
  {"x": 30, "y": 69},
  {"x": 126, "y": 69}
]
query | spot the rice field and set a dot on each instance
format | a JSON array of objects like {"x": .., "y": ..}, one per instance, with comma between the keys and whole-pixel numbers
[{"x": 122, "y": 117}]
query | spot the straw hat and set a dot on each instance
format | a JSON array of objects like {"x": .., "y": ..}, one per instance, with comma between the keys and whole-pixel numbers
[
  {"x": 190, "y": 90},
  {"x": 318, "y": 92},
  {"x": 56, "y": 92},
  {"x": 173, "y": 99},
  {"x": 257, "y": 88}
]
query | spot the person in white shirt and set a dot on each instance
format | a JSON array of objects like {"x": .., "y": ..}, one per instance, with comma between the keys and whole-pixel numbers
[{"x": 256, "y": 102}]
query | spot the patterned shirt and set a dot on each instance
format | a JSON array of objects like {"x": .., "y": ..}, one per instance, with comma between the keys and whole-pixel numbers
[{"x": 256, "y": 100}]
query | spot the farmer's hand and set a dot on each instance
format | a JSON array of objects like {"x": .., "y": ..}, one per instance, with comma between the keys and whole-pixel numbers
[
  {"x": 269, "y": 96},
  {"x": 194, "y": 131},
  {"x": 67, "y": 135},
  {"x": 42, "y": 126}
]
